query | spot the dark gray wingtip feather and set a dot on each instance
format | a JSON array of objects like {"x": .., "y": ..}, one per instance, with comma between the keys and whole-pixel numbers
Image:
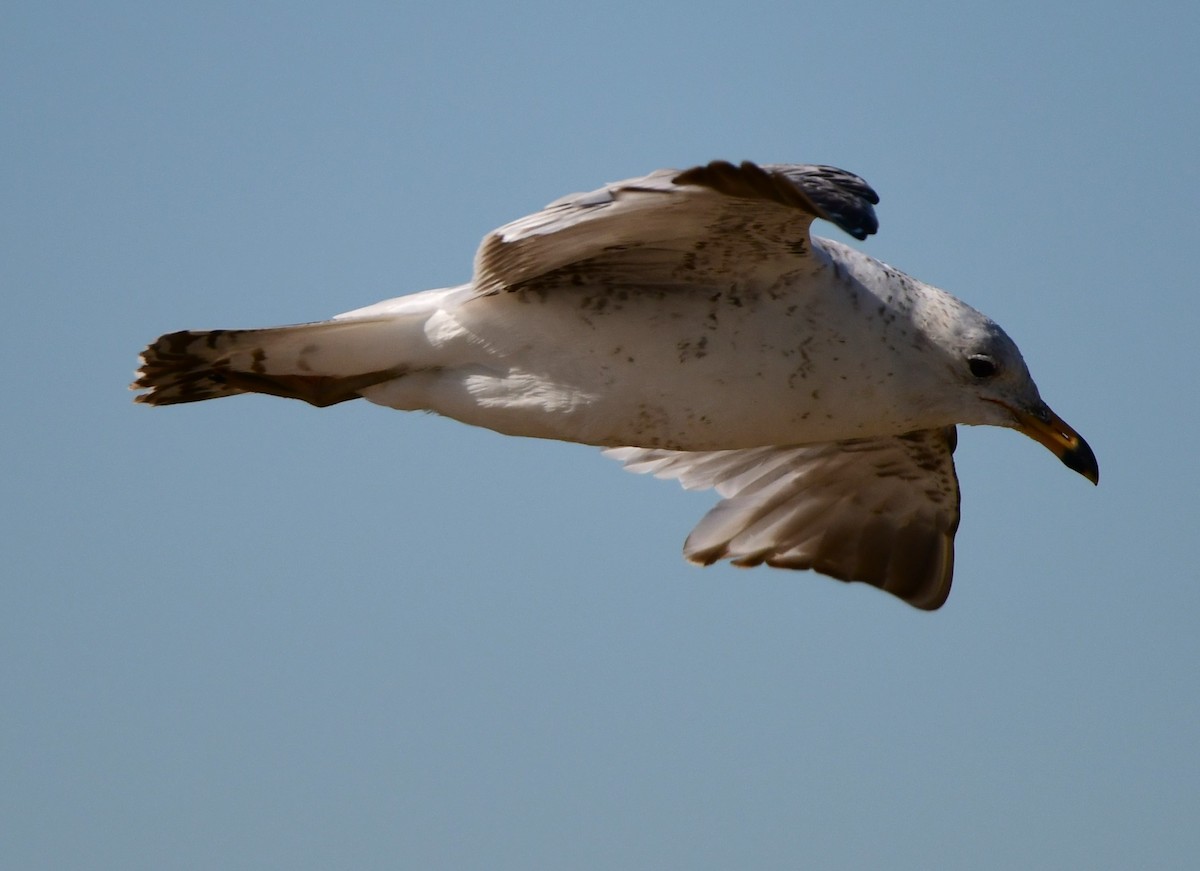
[
  {"x": 836, "y": 195},
  {"x": 842, "y": 197}
]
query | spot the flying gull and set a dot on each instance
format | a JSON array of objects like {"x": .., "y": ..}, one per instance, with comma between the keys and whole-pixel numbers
[{"x": 689, "y": 323}]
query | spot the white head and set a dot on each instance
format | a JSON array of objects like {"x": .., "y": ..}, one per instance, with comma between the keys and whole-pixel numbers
[{"x": 988, "y": 367}]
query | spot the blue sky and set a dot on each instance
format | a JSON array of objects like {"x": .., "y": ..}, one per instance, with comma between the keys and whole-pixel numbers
[{"x": 252, "y": 634}]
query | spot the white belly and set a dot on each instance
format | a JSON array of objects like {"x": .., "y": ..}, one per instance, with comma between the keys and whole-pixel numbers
[{"x": 679, "y": 369}]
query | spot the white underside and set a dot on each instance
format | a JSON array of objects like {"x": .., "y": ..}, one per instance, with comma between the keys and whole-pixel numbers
[{"x": 682, "y": 370}]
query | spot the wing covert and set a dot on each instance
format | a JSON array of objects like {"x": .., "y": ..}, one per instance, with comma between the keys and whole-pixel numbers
[{"x": 675, "y": 228}]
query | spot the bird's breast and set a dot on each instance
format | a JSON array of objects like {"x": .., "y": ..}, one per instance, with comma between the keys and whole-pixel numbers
[{"x": 689, "y": 369}]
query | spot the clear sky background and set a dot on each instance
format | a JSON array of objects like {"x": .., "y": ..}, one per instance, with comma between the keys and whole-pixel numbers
[{"x": 252, "y": 634}]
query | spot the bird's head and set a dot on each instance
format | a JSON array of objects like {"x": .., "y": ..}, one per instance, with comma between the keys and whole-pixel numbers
[{"x": 989, "y": 367}]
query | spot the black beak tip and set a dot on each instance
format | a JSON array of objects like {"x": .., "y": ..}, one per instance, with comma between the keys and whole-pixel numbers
[{"x": 1081, "y": 459}]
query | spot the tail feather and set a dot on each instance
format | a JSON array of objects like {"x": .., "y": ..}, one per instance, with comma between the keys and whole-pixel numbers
[{"x": 322, "y": 363}]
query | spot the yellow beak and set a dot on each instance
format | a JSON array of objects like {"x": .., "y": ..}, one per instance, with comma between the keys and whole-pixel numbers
[{"x": 1047, "y": 428}]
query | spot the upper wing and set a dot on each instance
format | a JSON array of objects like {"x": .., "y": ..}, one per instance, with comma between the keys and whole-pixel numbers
[
  {"x": 674, "y": 227},
  {"x": 883, "y": 511}
]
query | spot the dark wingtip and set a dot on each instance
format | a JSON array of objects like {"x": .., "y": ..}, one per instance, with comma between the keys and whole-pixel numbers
[{"x": 836, "y": 195}]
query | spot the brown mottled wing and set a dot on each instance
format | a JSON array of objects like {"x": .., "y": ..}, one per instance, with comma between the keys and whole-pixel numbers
[
  {"x": 675, "y": 228},
  {"x": 881, "y": 511}
]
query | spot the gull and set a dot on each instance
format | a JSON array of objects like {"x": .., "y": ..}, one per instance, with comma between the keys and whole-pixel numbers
[{"x": 689, "y": 323}]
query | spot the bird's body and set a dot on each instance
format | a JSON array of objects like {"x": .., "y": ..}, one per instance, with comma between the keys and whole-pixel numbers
[
  {"x": 691, "y": 321},
  {"x": 625, "y": 365}
]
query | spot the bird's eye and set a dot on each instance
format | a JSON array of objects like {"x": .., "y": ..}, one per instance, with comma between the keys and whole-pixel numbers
[{"x": 982, "y": 366}]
